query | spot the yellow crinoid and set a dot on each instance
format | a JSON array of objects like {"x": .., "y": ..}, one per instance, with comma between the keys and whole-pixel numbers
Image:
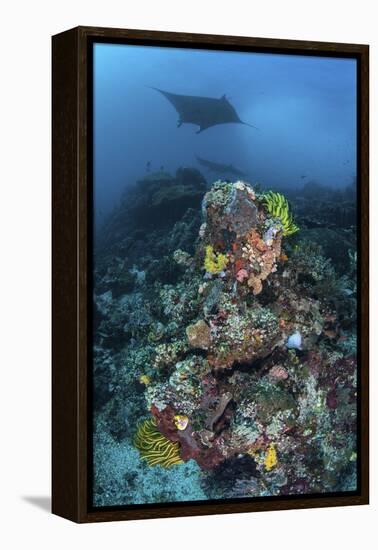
[
  {"x": 278, "y": 206},
  {"x": 154, "y": 447}
]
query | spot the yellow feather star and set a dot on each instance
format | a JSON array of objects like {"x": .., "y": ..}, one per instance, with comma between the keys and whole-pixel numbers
[
  {"x": 278, "y": 206},
  {"x": 154, "y": 447}
]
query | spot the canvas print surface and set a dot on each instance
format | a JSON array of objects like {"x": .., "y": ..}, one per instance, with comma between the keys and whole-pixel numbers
[{"x": 224, "y": 275}]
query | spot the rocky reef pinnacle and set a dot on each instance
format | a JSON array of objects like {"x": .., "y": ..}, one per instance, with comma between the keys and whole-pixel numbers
[{"x": 235, "y": 344}]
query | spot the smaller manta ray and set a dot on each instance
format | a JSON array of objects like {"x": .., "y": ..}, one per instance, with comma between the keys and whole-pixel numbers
[
  {"x": 219, "y": 168},
  {"x": 202, "y": 111}
]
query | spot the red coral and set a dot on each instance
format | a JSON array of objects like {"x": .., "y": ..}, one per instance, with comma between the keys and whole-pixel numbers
[
  {"x": 278, "y": 372},
  {"x": 165, "y": 422},
  {"x": 190, "y": 447},
  {"x": 239, "y": 264}
]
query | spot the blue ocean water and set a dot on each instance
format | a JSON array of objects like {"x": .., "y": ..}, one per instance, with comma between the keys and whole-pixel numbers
[{"x": 303, "y": 106}]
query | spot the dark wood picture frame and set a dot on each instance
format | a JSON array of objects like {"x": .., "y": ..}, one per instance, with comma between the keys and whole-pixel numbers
[{"x": 71, "y": 204}]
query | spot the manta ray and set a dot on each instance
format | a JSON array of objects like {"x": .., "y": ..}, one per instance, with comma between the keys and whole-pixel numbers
[
  {"x": 219, "y": 168},
  {"x": 204, "y": 112}
]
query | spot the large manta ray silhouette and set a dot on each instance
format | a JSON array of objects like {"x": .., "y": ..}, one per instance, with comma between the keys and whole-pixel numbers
[
  {"x": 219, "y": 168},
  {"x": 202, "y": 111}
]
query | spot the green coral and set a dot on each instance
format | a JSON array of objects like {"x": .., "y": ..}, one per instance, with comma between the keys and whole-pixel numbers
[
  {"x": 154, "y": 447},
  {"x": 214, "y": 263},
  {"x": 163, "y": 394},
  {"x": 308, "y": 259},
  {"x": 179, "y": 302},
  {"x": 187, "y": 376},
  {"x": 218, "y": 195},
  {"x": 278, "y": 206},
  {"x": 168, "y": 353}
]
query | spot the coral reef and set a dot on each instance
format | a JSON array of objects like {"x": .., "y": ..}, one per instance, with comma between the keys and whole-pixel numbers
[{"x": 237, "y": 343}]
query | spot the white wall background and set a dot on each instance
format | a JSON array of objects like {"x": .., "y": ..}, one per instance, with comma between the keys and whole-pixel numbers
[{"x": 25, "y": 272}]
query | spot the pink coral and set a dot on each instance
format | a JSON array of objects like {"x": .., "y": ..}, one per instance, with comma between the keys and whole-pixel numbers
[
  {"x": 241, "y": 275},
  {"x": 261, "y": 257},
  {"x": 278, "y": 372}
]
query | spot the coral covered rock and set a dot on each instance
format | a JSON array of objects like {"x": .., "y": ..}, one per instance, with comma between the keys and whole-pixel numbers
[
  {"x": 251, "y": 410},
  {"x": 237, "y": 338},
  {"x": 238, "y": 229}
]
